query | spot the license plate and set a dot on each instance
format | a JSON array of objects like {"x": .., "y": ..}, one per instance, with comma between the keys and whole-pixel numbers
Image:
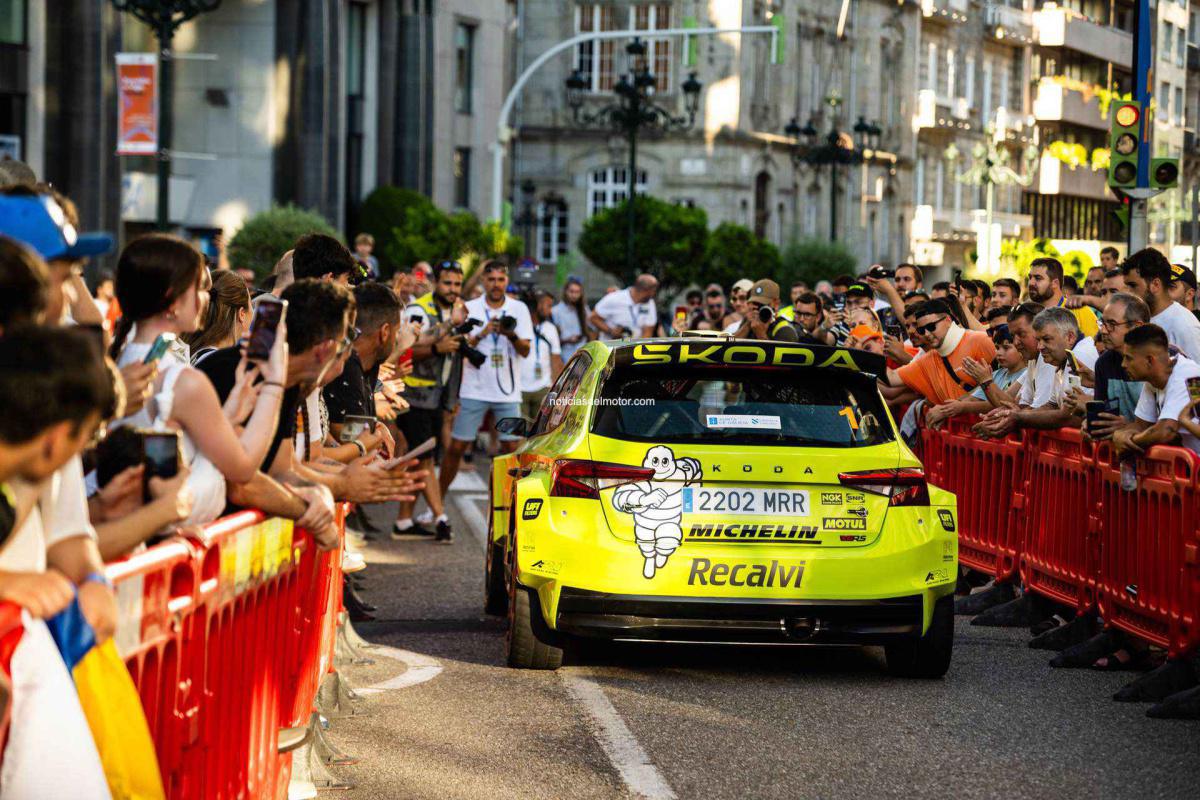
[{"x": 746, "y": 501}]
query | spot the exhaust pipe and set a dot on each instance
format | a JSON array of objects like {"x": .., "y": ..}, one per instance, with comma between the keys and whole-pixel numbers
[{"x": 800, "y": 629}]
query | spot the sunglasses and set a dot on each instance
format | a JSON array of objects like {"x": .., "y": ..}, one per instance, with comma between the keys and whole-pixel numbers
[
  {"x": 930, "y": 327},
  {"x": 1001, "y": 334}
]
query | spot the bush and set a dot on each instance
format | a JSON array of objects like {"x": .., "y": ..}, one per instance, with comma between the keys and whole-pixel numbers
[
  {"x": 669, "y": 242},
  {"x": 408, "y": 228},
  {"x": 265, "y": 237},
  {"x": 812, "y": 260},
  {"x": 734, "y": 252}
]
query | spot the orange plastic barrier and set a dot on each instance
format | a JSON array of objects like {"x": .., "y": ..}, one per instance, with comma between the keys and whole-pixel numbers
[
  {"x": 1059, "y": 558},
  {"x": 10, "y": 633},
  {"x": 987, "y": 475},
  {"x": 1053, "y": 504},
  {"x": 1147, "y": 576}
]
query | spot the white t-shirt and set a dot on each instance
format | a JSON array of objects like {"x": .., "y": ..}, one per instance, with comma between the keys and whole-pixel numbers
[
  {"x": 535, "y": 370},
  {"x": 61, "y": 513},
  {"x": 618, "y": 310},
  {"x": 1044, "y": 385},
  {"x": 1182, "y": 328},
  {"x": 1170, "y": 401},
  {"x": 499, "y": 379}
]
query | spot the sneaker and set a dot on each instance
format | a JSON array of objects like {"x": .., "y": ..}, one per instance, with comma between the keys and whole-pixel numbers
[
  {"x": 412, "y": 530},
  {"x": 352, "y": 562},
  {"x": 444, "y": 534},
  {"x": 425, "y": 518}
]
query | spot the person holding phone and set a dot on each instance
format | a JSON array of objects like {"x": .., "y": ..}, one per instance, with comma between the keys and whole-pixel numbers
[
  {"x": 1165, "y": 401},
  {"x": 1114, "y": 386},
  {"x": 162, "y": 287}
]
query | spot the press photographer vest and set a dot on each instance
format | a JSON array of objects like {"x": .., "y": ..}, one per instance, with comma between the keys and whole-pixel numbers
[{"x": 427, "y": 384}]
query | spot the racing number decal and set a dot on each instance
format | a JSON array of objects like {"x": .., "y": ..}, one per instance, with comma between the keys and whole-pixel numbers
[{"x": 851, "y": 417}]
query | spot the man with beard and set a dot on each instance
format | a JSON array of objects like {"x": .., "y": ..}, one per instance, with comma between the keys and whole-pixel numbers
[
  {"x": 1123, "y": 314},
  {"x": 1045, "y": 287},
  {"x": 1148, "y": 276},
  {"x": 430, "y": 388}
]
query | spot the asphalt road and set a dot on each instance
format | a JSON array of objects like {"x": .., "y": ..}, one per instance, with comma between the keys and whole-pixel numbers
[{"x": 711, "y": 722}]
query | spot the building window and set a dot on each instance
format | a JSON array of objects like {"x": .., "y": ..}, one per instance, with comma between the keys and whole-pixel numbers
[
  {"x": 1179, "y": 109},
  {"x": 1180, "y": 47},
  {"x": 609, "y": 187},
  {"x": 919, "y": 182},
  {"x": 986, "y": 104},
  {"x": 12, "y": 21},
  {"x": 464, "y": 67},
  {"x": 951, "y": 73},
  {"x": 1166, "y": 40},
  {"x": 597, "y": 61},
  {"x": 551, "y": 231},
  {"x": 462, "y": 177},
  {"x": 1164, "y": 102},
  {"x": 931, "y": 67},
  {"x": 939, "y": 185}
]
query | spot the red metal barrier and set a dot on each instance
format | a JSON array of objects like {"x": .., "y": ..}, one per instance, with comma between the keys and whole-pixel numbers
[
  {"x": 987, "y": 475},
  {"x": 1059, "y": 558},
  {"x": 11, "y": 629},
  {"x": 1146, "y": 577}
]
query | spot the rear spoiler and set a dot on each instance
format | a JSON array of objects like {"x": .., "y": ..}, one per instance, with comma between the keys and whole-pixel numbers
[{"x": 747, "y": 353}]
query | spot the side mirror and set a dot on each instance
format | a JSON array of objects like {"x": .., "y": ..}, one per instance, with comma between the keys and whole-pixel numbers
[{"x": 513, "y": 426}]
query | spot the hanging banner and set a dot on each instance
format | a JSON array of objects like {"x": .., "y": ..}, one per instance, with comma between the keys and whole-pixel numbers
[{"x": 137, "y": 98}]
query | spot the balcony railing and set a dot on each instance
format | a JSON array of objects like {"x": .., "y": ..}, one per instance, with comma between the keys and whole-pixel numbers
[
  {"x": 1055, "y": 177},
  {"x": 1064, "y": 27},
  {"x": 1055, "y": 102},
  {"x": 945, "y": 10},
  {"x": 1008, "y": 24}
]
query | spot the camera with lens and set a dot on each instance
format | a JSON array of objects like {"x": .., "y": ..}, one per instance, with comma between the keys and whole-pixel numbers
[
  {"x": 765, "y": 314},
  {"x": 508, "y": 324},
  {"x": 472, "y": 355}
]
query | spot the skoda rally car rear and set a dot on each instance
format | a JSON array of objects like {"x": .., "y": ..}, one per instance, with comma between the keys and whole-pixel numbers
[{"x": 743, "y": 492}]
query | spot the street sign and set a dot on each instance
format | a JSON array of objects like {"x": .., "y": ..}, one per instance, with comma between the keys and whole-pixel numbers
[{"x": 137, "y": 104}]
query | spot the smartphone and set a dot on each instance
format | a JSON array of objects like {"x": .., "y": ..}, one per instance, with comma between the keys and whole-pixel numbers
[
  {"x": 1092, "y": 411},
  {"x": 1193, "y": 386},
  {"x": 882, "y": 272},
  {"x": 159, "y": 348},
  {"x": 839, "y": 302},
  {"x": 417, "y": 452},
  {"x": 354, "y": 426},
  {"x": 267, "y": 316},
  {"x": 1074, "y": 382},
  {"x": 895, "y": 330},
  {"x": 958, "y": 279}
]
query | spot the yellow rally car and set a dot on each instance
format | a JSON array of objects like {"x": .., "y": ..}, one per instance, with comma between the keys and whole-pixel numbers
[{"x": 688, "y": 490}]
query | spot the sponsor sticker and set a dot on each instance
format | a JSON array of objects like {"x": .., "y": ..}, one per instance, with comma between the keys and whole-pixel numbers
[
  {"x": 857, "y": 511},
  {"x": 844, "y": 523},
  {"x": 750, "y": 532},
  {"x": 532, "y": 508},
  {"x": 831, "y": 498},
  {"x": 852, "y": 537},
  {"x": 948, "y": 551},
  {"x": 751, "y": 421},
  {"x": 946, "y": 516},
  {"x": 855, "y": 497},
  {"x": 940, "y": 575},
  {"x": 547, "y": 567},
  {"x": 776, "y": 573}
]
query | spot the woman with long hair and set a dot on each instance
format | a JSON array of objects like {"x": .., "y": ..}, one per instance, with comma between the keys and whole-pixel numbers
[
  {"x": 226, "y": 317},
  {"x": 161, "y": 286}
]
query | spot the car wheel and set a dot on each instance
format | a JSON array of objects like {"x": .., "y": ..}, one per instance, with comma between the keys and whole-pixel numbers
[
  {"x": 495, "y": 601},
  {"x": 526, "y": 649},
  {"x": 929, "y": 656}
]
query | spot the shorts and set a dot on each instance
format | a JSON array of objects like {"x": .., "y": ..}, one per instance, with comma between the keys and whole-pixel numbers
[
  {"x": 471, "y": 413},
  {"x": 418, "y": 424}
]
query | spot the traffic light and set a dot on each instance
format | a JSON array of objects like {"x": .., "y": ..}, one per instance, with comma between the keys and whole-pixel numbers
[
  {"x": 1164, "y": 173},
  {"x": 1124, "y": 137}
]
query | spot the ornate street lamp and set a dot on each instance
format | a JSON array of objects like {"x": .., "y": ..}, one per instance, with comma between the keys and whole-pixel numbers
[
  {"x": 633, "y": 111},
  {"x": 839, "y": 148},
  {"x": 164, "y": 17}
]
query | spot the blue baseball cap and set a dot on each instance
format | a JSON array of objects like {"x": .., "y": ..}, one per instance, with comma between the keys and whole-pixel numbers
[{"x": 38, "y": 222}]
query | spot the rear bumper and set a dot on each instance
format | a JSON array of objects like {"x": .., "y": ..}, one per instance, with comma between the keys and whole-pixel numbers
[{"x": 760, "y": 621}]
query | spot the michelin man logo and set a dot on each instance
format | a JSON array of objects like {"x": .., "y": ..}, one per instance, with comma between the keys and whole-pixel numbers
[{"x": 657, "y": 505}]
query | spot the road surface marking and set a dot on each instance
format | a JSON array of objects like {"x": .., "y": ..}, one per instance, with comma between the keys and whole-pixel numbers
[
  {"x": 467, "y": 482},
  {"x": 420, "y": 669},
  {"x": 623, "y": 750},
  {"x": 469, "y": 508}
]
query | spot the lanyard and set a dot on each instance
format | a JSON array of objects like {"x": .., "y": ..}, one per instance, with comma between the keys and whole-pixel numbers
[{"x": 487, "y": 312}]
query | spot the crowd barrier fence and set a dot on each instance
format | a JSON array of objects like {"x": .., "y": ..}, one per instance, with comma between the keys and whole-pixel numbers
[
  {"x": 227, "y": 631},
  {"x": 1049, "y": 508}
]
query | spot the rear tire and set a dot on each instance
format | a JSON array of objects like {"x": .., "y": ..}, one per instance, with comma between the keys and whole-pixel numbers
[
  {"x": 929, "y": 656},
  {"x": 525, "y": 649},
  {"x": 495, "y": 596}
]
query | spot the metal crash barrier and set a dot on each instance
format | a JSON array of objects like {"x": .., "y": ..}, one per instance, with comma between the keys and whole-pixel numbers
[
  {"x": 1051, "y": 505},
  {"x": 228, "y": 632}
]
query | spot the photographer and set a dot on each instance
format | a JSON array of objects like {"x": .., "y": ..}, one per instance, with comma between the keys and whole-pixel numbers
[
  {"x": 494, "y": 384},
  {"x": 629, "y": 312},
  {"x": 762, "y": 316},
  {"x": 541, "y": 369},
  {"x": 431, "y": 388}
]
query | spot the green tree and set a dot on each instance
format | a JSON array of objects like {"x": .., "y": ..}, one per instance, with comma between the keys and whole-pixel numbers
[
  {"x": 734, "y": 252},
  {"x": 265, "y": 237},
  {"x": 669, "y": 242},
  {"x": 1017, "y": 254},
  {"x": 811, "y": 260}
]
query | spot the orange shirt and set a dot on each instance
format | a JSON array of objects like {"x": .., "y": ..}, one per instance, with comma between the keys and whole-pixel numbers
[{"x": 928, "y": 375}]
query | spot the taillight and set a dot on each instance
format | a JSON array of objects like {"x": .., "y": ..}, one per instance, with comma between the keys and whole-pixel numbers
[
  {"x": 903, "y": 487},
  {"x": 585, "y": 479}
]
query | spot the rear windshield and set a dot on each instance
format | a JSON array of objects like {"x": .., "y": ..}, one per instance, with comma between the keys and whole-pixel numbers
[{"x": 728, "y": 405}]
